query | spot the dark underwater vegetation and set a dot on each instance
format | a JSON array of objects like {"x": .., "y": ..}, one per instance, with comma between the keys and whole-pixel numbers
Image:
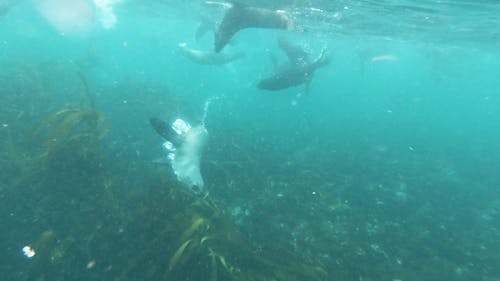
[{"x": 385, "y": 167}]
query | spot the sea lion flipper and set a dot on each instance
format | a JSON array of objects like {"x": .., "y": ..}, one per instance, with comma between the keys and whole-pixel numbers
[
  {"x": 161, "y": 127},
  {"x": 165, "y": 130}
]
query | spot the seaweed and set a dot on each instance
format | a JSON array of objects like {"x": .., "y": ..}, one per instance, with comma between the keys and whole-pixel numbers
[
  {"x": 66, "y": 144},
  {"x": 42, "y": 267},
  {"x": 214, "y": 244},
  {"x": 191, "y": 237}
]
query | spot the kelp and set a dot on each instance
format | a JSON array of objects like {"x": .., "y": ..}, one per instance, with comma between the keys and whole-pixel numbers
[
  {"x": 209, "y": 245},
  {"x": 13, "y": 161},
  {"x": 72, "y": 134},
  {"x": 232, "y": 257},
  {"x": 46, "y": 256},
  {"x": 68, "y": 144},
  {"x": 39, "y": 141},
  {"x": 181, "y": 236}
]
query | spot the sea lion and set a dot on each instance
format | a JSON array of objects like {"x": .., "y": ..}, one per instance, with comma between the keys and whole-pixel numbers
[
  {"x": 298, "y": 70},
  {"x": 185, "y": 145},
  {"x": 208, "y": 57},
  {"x": 239, "y": 17}
]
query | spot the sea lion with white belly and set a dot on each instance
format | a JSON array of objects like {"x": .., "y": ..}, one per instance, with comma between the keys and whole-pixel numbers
[{"x": 185, "y": 145}]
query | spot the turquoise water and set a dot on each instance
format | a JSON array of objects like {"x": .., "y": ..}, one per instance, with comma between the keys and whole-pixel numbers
[{"x": 385, "y": 168}]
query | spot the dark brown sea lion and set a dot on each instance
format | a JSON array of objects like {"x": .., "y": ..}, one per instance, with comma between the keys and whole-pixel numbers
[
  {"x": 239, "y": 17},
  {"x": 298, "y": 70}
]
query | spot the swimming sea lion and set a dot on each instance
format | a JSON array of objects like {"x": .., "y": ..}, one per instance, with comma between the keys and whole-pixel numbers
[
  {"x": 208, "y": 57},
  {"x": 239, "y": 17},
  {"x": 299, "y": 69},
  {"x": 185, "y": 145}
]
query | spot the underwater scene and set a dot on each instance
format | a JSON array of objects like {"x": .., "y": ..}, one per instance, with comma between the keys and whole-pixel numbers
[{"x": 256, "y": 140}]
